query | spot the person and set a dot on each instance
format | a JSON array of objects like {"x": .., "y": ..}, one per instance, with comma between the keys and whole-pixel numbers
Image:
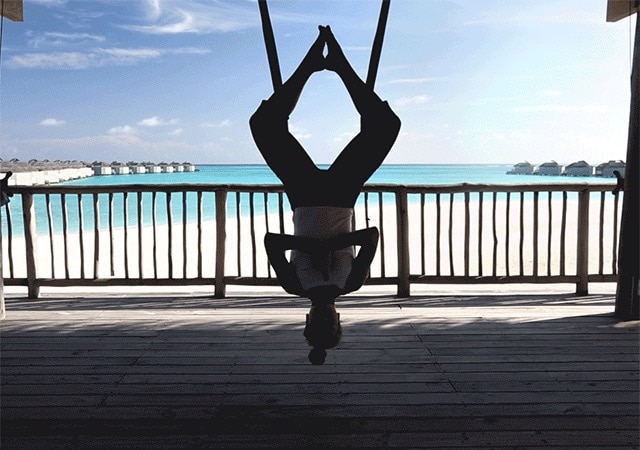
[{"x": 323, "y": 262}]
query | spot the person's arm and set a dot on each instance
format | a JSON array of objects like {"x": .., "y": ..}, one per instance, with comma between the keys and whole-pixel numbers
[
  {"x": 276, "y": 245},
  {"x": 367, "y": 239}
]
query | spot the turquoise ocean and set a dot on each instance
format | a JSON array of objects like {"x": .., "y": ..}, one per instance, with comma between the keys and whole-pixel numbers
[{"x": 244, "y": 174}]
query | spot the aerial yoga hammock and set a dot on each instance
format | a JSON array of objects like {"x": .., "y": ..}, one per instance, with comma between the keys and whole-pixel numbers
[{"x": 324, "y": 263}]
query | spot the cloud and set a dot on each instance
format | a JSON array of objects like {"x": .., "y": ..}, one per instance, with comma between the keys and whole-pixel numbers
[
  {"x": 153, "y": 9},
  {"x": 345, "y": 137},
  {"x": 589, "y": 108},
  {"x": 189, "y": 16},
  {"x": 299, "y": 133},
  {"x": 63, "y": 39},
  {"x": 524, "y": 17},
  {"x": 51, "y": 122},
  {"x": 551, "y": 93},
  {"x": 416, "y": 80},
  {"x": 156, "y": 121},
  {"x": 415, "y": 100},
  {"x": 95, "y": 58},
  {"x": 222, "y": 124},
  {"x": 49, "y": 2},
  {"x": 124, "y": 129},
  {"x": 177, "y": 132}
]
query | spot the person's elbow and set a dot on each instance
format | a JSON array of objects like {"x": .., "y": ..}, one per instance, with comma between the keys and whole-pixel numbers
[
  {"x": 394, "y": 123},
  {"x": 257, "y": 121}
]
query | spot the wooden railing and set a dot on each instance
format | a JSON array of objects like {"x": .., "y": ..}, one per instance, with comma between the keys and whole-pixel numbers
[{"x": 212, "y": 234}]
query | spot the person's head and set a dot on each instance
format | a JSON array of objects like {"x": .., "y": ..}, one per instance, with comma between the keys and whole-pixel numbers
[{"x": 323, "y": 329}]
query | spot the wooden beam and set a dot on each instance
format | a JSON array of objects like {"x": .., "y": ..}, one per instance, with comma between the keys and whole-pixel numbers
[
  {"x": 627, "y": 295},
  {"x": 619, "y": 9}
]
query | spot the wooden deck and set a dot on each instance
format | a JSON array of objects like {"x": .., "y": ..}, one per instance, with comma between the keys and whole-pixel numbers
[{"x": 176, "y": 371}]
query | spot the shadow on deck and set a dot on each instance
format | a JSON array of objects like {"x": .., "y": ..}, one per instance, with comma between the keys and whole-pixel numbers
[{"x": 163, "y": 371}]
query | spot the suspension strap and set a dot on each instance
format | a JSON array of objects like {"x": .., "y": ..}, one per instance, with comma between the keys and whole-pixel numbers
[
  {"x": 272, "y": 52},
  {"x": 270, "y": 44},
  {"x": 376, "y": 50}
]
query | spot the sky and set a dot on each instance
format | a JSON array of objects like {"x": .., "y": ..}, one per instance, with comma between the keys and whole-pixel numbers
[{"x": 491, "y": 81}]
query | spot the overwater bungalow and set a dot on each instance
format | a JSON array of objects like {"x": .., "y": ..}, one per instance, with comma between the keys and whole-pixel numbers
[
  {"x": 177, "y": 167},
  {"x": 606, "y": 169},
  {"x": 166, "y": 168},
  {"x": 136, "y": 167},
  {"x": 119, "y": 168},
  {"x": 189, "y": 167},
  {"x": 579, "y": 169},
  {"x": 152, "y": 168},
  {"x": 101, "y": 168},
  {"x": 522, "y": 168},
  {"x": 549, "y": 168}
]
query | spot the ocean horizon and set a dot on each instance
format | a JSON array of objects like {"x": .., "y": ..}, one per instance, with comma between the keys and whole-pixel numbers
[{"x": 387, "y": 173}]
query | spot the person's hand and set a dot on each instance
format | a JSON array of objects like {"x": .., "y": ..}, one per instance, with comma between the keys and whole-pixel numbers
[{"x": 335, "y": 59}]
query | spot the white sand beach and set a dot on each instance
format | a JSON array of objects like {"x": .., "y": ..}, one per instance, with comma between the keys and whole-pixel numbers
[{"x": 149, "y": 254}]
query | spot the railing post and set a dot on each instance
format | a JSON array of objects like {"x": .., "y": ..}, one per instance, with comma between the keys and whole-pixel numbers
[
  {"x": 221, "y": 236},
  {"x": 30, "y": 238},
  {"x": 402, "y": 221},
  {"x": 2, "y": 308},
  {"x": 582, "y": 257}
]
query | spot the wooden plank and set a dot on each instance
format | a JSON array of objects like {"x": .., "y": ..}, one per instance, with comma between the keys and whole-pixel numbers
[
  {"x": 30, "y": 243},
  {"x": 154, "y": 229},
  {"x": 500, "y": 371},
  {"x": 601, "y": 235},
  {"x": 467, "y": 233},
  {"x": 140, "y": 206},
  {"x": 535, "y": 231},
  {"x": 169, "y": 219},
  {"x": 65, "y": 234},
  {"x": 480, "y": 223},
  {"x": 111, "y": 236},
  {"x": 422, "y": 236},
  {"x": 438, "y": 233},
  {"x": 549, "y": 231},
  {"x": 184, "y": 235},
  {"x": 96, "y": 235},
  {"x": 200, "y": 230},
  {"x": 125, "y": 227},
  {"x": 451, "y": 202},
  {"x": 582, "y": 250},
  {"x": 521, "y": 230},
  {"x": 507, "y": 237},
  {"x": 383, "y": 247},
  {"x": 50, "y": 229},
  {"x": 221, "y": 235},
  {"x": 563, "y": 234},
  {"x": 373, "y": 187},
  {"x": 81, "y": 234},
  {"x": 252, "y": 227}
]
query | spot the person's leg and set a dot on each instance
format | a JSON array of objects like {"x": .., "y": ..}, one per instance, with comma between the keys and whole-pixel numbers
[
  {"x": 379, "y": 127},
  {"x": 269, "y": 126}
]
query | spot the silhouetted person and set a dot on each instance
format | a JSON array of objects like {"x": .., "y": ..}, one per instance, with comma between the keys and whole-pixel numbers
[{"x": 324, "y": 263}]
